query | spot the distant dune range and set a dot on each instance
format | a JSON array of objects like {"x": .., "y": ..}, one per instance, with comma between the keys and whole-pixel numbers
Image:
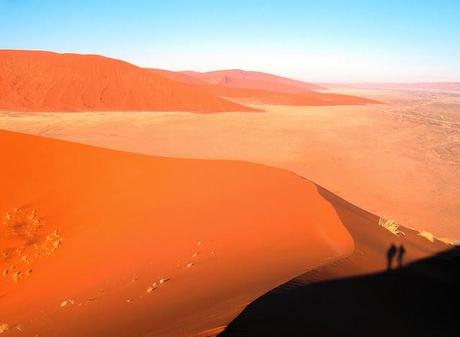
[
  {"x": 251, "y": 87},
  {"x": 46, "y": 82},
  {"x": 236, "y": 78}
]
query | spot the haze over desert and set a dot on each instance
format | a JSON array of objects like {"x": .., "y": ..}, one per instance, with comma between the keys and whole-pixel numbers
[{"x": 229, "y": 169}]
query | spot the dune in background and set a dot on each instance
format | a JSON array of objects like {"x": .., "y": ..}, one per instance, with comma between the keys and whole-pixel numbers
[
  {"x": 40, "y": 81},
  {"x": 178, "y": 76},
  {"x": 46, "y": 81},
  {"x": 98, "y": 242},
  {"x": 236, "y": 78},
  {"x": 250, "y": 87}
]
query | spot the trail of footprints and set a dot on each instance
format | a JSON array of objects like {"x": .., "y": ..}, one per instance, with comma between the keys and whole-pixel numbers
[
  {"x": 157, "y": 284},
  {"x": 53, "y": 240}
]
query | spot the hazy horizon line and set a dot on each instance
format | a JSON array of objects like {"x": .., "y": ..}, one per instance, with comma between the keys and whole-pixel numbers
[{"x": 236, "y": 68}]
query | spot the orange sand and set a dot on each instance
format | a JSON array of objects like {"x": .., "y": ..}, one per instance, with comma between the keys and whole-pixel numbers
[
  {"x": 371, "y": 243},
  {"x": 97, "y": 242},
  {"x": 45, "y": 81},
  {"x": 290, "y": 311}
]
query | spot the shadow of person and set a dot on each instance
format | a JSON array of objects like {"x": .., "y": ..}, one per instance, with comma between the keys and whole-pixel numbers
[
  {"x": 391, "y": 252},
  {"x": 401, "y": 252}
]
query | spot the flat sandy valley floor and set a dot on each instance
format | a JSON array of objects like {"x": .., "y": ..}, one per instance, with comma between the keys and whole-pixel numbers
[{"x": 400, "y": 159}]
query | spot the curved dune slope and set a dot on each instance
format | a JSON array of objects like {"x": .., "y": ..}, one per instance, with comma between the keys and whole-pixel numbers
[
  {"x": 96, "y": 242},
  {"x": 45, "y": 81},
  {"x": 236, "y": 78},
  {"x": 349, "y": 302}
]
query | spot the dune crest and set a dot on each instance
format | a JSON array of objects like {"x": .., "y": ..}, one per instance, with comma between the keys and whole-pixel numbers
[
  {"x": 249, "y": 87},
  {"x": 236, "y": 78}
]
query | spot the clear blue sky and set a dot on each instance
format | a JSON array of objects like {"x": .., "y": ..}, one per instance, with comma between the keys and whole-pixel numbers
[{"x": 329, "y": 40}]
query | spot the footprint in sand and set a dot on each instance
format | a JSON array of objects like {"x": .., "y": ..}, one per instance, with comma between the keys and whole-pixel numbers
[
  {"x": 4, "y": 327},
  {"x": 17, "y": 276},
  {"x": 66, "y": 303},
  {"x": 155, "y": 285}
]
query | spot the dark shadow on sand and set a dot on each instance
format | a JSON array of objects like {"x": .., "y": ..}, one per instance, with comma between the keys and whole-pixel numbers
[{"x": 421, "y": 299}]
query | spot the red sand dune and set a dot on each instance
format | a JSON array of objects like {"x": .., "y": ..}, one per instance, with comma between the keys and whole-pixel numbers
[
  {"x": 236, "y": 78},
  {"x": 286, "y": 310},
  {"x": 242, "y": 92},
  {"x": 46, "y": 81},
  {"x": 96, "y": 242},
  {"x": 371, "y": 243}
]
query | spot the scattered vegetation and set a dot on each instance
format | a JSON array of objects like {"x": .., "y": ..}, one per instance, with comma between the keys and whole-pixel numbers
[
  {"x": 426, "y": 235},
  {"x": 21, "y": 224},
  {"x": 390, "y": 225},
  {"x": 24, "y": 240}
]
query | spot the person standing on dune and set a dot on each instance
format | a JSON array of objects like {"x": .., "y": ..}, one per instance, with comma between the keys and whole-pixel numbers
[
  {"x": 391, "y": 252},
  {"x": 401, "y": 252}
]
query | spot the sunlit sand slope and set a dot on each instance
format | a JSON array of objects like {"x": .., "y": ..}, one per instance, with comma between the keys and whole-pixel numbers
[{"x": 96, "y": 242}]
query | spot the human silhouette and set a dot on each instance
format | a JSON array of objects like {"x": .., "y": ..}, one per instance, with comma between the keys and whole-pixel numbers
[
  {"x": 391, "y": 252},
  {"x": 401, "y": 252}
]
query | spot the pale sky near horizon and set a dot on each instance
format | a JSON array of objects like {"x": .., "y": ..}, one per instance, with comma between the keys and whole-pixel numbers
[{"x": 318, "y": 41}]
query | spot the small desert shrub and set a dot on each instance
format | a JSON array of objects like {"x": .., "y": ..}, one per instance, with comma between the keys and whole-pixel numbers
[
  {"x": 390, "y": 225},
  {"x": 426, "y": 235},
  {"x": 21, "y": 224}
]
